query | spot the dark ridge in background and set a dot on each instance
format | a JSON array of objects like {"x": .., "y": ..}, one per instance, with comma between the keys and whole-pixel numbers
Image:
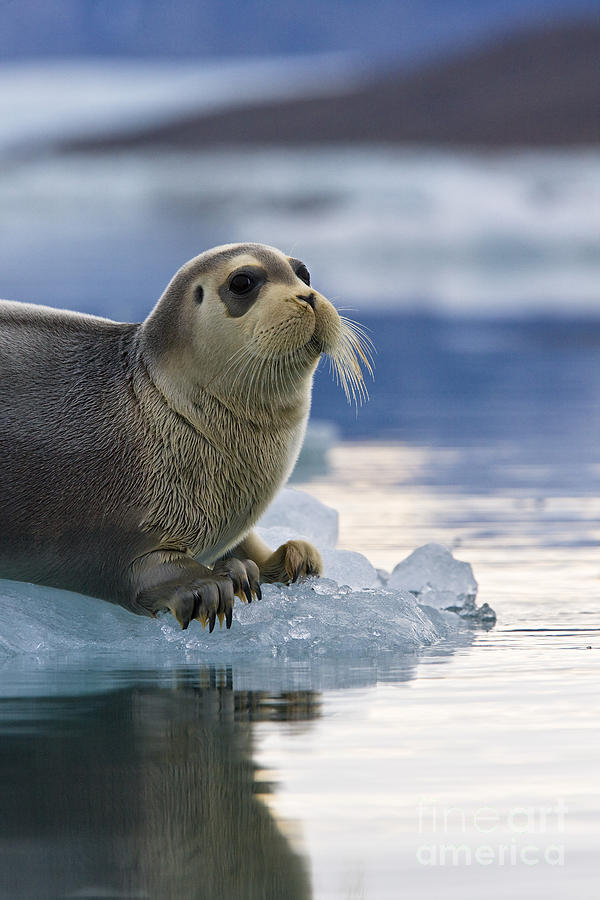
[{"x": 532, "y": 88}]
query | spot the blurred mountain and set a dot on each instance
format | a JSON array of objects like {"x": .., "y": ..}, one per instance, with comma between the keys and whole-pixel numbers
[
  {"x": 401, "y": 30},
  {"x": 534, "y": 88}
]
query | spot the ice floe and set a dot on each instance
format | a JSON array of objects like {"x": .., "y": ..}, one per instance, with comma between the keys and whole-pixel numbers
[{"x": 347, "y": 612}]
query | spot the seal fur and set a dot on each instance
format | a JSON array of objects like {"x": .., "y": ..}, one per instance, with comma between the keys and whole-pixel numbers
[{"x": 136, "y": 458}]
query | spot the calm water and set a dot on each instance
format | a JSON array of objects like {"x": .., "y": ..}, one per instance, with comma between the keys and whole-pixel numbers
[{"x": 509, "y": 724}]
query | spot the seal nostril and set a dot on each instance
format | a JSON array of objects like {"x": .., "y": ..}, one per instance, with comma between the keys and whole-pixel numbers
[{"x": 308, "y": 298}]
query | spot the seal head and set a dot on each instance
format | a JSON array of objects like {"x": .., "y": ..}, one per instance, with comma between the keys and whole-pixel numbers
[{"x": 267, "y": 328}]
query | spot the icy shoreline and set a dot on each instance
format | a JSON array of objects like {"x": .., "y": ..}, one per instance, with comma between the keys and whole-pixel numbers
[{"x": 352, "y": 610}]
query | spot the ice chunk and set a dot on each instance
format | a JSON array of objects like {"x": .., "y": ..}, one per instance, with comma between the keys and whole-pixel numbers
[
  {"x": 318, "y": 618},
  {"x": 437, "y": 599},
  {"x": 349, "y": 567},
  {"x": 383, "y": 575},
  {"x": 347, "y": 612},
  {"x": 38, "y": 620},
  {"x": 315, "y": 618},
  {"x": 464, "y": 606},
  {"x": 443, "y": 583},
  {"x": 298, "y": 514},
  {"x": 478, "y": 615},
  {"x": 433, "y": 567}
]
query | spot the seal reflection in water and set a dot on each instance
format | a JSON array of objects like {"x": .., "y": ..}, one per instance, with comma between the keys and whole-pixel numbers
[{"x": 136, "y": 458}]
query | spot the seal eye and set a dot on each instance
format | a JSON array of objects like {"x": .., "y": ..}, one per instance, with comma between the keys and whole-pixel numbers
[
  {"x": 242, "y": 283},
  {"x": 303, "y": 274}
]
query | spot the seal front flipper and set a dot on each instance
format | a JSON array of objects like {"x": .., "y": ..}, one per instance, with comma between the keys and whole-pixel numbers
[
  {"x": 184, "y": 587},
  {"x": 291, "y": 561},
  {"x": 244, "y": 574}
]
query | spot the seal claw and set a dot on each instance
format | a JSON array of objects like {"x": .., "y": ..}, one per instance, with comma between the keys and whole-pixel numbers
[{"x": 243, "y": 580}]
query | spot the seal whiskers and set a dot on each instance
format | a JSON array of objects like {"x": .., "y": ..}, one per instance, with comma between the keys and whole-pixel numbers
[{"x": 345, "y": 358}]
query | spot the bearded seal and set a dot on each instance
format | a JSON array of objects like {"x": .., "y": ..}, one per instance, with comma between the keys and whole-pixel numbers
[{"x": 137, "y": 457}]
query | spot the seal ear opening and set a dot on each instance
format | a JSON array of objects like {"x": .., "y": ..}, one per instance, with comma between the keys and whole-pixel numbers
[{"x": 198, "y": 294}]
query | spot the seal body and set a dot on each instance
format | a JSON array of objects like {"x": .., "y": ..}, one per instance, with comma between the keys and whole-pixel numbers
[
  {"x": 68, "y": 505},
  {"x": 135, "y": 458}
]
